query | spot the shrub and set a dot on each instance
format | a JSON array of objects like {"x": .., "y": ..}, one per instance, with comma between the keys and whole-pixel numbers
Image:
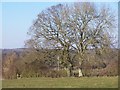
[{"x": 60, "y": 73}]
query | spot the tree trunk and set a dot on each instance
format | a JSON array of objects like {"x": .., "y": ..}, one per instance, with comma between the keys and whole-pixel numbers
[
  {"x": 68, "y": 72},
  {"x": 80, "y": 74},
  {"x": 70, "y": 69}
]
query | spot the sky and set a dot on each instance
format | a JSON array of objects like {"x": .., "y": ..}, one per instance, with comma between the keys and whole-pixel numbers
[{"x": 17, "y": 17}]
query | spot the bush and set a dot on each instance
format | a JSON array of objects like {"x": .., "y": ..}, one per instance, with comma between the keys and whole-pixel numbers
[
  {"x": 60, "y": 73},
  {"x": 108, "y": 71}
]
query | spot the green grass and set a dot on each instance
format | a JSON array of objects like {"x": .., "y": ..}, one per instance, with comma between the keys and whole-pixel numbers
[{"x": 83, "y": 82}]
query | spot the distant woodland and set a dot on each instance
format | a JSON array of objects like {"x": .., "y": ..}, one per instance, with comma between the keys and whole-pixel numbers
[{"x": 28, "y": 63}]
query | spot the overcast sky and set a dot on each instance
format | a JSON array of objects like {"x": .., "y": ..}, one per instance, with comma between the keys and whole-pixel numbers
[{"x": 17, "y": 17}]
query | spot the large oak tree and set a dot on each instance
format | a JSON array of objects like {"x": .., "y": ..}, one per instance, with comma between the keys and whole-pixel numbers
[{"x": 77, "y": 26}]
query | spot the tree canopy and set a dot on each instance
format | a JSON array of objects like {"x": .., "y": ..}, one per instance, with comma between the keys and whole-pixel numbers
[{"x": 78, "y": 26}]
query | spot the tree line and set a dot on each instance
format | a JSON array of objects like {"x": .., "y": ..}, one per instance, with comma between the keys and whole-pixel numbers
[{"x": 27, "y": 64}]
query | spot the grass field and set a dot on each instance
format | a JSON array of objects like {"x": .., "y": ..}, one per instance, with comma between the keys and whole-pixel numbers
[{"x": 83, "y": 82}]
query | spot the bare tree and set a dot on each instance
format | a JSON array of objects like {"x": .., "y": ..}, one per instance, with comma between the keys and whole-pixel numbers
[
  {"x": 90, "y": 29},
  {"x": 79, "y": 27}
]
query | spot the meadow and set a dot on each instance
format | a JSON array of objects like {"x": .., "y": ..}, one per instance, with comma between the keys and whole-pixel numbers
[{"x": 66, "y": 82}]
